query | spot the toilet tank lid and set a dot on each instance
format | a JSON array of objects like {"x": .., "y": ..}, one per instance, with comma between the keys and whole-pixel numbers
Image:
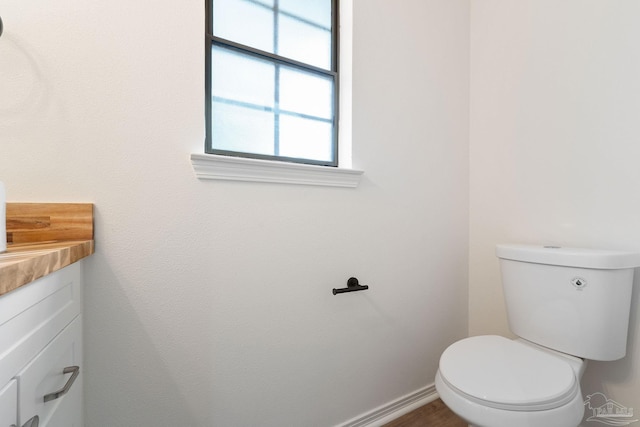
[{"x": 569, "y": 257}]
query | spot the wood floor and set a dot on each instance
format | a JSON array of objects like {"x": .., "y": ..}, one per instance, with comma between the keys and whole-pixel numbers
[{"x": 434, "y": 414}]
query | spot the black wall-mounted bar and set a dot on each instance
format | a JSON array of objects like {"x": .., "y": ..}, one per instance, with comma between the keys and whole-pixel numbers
[
  {"x": 352, "y": 286},
  {"x": 1, "y": 26}
]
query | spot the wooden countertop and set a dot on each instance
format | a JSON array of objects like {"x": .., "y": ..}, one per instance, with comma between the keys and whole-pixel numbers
[
  {"x": 23, "y": 263},
  {"x": 43, "y": 238}
]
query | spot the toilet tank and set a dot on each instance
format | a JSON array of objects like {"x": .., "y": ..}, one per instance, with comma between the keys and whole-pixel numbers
[{"x": 575, "y": 301}]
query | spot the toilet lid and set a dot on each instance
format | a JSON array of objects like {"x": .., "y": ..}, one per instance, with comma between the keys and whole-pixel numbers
[{"x": 505, "y": 374}]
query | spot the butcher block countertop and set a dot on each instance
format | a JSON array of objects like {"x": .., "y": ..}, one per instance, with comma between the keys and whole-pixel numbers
[{"x": 43, "y": 238}]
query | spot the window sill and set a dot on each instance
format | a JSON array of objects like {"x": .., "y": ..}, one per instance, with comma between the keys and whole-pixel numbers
[{"x": 210, "y": 166}]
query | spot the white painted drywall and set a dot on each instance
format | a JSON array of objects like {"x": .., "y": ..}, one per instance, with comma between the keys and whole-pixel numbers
[
  {"x": 555, "y": 124},
  {"x": 209, "y": 303}
]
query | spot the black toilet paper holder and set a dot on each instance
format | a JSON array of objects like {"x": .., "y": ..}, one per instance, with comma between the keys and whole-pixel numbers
[{"x": 352, "y": 286}]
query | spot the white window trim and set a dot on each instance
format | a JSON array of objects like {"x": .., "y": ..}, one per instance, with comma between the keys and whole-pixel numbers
[
  {"x": 211, "y": 166},
  {"x": 218, "y": 167}
]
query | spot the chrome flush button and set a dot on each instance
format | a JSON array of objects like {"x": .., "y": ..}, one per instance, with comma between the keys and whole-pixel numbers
[{"x": 579, "y": 283}]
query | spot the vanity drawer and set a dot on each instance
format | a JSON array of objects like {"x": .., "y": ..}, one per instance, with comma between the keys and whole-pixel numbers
[
  {"x": 51, "y": 384},
  {"x": 9, "y": 404},
  {"x": 32, "y": 315}
]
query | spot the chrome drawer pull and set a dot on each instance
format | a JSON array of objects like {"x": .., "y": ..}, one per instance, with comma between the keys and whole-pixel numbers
[
  {"x": 33, "y": 422},
  {"x": 75, "y": 370}
]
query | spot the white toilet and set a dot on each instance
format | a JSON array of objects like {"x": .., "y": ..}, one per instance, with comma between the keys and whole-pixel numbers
[{"x": 566, "y": 305}]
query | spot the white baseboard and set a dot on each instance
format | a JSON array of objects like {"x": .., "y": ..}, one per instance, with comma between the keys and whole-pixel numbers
[{"x": 394, "y": 409}]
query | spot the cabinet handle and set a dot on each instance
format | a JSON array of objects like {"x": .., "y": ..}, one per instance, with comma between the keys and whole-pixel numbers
[
  {"x": 33, "y": 422},
  {"x": 75, "y": 370}
]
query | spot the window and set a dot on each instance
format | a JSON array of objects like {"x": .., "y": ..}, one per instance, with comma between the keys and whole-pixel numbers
[{"x": 272, "y": 81}]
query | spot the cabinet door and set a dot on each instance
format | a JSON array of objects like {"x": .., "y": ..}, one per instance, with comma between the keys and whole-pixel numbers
[
  {"x": 9, "y": 404},
  {"x": 44, "y": 376},
  {"x": 33, "y": 315}
]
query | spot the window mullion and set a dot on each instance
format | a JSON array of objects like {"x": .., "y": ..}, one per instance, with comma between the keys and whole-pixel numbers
[
  {"x": 276, "y": 113},
  {"x": 270, "y": 56},
  {"x": 276, "y": 101}
]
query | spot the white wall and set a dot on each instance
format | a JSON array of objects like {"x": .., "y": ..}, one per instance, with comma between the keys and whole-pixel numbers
[
  {"x": 209, "y": 303},
  {"x": 555, "y": 124}
]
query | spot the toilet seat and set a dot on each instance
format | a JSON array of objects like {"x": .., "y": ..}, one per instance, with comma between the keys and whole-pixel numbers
[{"x": 501, "y": 373}]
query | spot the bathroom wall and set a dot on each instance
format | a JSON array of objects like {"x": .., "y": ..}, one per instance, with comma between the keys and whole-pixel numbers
[
  {"x": 555, "y": 124},
  {"x": 209, "y": 303}
]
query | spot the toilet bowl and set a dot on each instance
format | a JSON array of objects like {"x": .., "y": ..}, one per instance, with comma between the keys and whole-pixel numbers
[{"x": 492, "y": 381}]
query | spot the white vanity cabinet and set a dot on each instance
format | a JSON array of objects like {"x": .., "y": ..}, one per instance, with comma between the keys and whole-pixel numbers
[
  {"x": 41, "y": 367},
  {"x": 9, "y": 404}
]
